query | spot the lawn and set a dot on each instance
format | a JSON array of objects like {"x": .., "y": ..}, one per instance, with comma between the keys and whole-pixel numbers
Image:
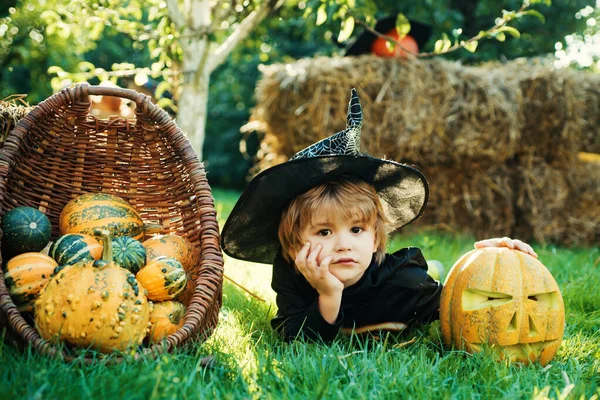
[{"x": 251, "y": 362}]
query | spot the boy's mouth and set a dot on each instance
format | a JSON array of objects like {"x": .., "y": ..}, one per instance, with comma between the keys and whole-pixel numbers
[{"x": 345, "y": 261}]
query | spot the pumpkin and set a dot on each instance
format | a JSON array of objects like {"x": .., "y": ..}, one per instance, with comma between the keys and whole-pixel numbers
[
  {"x": 381, "y": 48},
  {"x": 183, "y": 251},
  {"x": 93, "y": 304},
  {"x": 129, "y": 253},
  {"x": 93, "y": 213},
  {"x": 166, "y": 318},
  {"x": 74, "y": 247},
  {"x": 26, "y": 275},
  {"x": 26, "y": 229},
  {"x": 164, "y": 278},
  {"x": 506, "y": 300}
]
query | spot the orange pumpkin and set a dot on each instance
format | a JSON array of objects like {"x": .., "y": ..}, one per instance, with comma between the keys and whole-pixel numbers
[
  {"x": 506, "y": 299},
  {"x": 381, "y": 49},
  {"x": 164, "y": 278},
  {"x": 166, "y": 318},
  {"x": 183, "y": 251},
  {"x": 26, "y": 275},
  {"x": 93, "y": 213}
]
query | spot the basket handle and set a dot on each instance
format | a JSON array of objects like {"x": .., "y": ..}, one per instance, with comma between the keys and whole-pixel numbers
[
  {"x": 116, "y": 92},
  {"x": 144, "y": 104}
]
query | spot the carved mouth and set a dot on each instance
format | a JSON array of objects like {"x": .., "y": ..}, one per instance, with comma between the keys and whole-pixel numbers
[{"x": 520, "y": 352}]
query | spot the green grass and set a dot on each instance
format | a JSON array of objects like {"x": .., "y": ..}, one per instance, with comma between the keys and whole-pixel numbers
[{"x": 251, "y": 362}]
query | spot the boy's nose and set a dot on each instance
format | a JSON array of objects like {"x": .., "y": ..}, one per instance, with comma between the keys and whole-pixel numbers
[{"x": 342, "y": 243}]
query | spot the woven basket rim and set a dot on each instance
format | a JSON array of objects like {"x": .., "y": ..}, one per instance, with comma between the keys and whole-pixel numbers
[{"x": 211, "y": 258}]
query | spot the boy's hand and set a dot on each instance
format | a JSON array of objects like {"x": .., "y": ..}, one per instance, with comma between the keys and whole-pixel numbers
[
  {"x": 317, "y": 275},
  {"x": 514, "y": 244}
]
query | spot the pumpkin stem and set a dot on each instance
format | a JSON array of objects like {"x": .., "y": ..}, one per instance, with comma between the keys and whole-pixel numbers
[{"x": 107, "y": 249}]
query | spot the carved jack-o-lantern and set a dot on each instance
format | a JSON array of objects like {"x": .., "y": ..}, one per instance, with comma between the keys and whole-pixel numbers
[{"x": 506, "y": 299}]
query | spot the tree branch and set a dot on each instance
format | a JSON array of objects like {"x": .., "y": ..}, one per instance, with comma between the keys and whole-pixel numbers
[{"x": 242, "y": 31}]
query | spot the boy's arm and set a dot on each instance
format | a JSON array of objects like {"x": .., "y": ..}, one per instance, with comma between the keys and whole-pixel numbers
[
  {"x": 298, "y": 307},
  {"x": 322, "y": 280}
]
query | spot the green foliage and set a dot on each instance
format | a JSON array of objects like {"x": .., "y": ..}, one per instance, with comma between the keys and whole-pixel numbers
[
  {"x": 251, "y": 362},
  {"x": 52, "y": 41}
]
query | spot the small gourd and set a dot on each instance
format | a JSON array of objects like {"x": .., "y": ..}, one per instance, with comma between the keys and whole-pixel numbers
[
  {"x": 74, "y": 247},
  {"x": 94, "y": 304},
  {"x": 92, "y": 213},
  {"x": 26, "y": 229},
  {"x": 129, "y": 253},
  {"x": 166, "y": 318},
  {"x": 183, "y": 251},
  {"x": 25, "y": 276},
  {"x": 164, "y": 278}
]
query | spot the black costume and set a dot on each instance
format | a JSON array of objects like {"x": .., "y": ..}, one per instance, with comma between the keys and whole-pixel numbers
[{"x": 398, "y": 290}]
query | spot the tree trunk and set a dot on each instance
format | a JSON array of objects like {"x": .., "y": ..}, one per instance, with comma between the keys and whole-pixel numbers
[
  {"x": 192, "y": 110},
  {"x": 200, "y": 60}
]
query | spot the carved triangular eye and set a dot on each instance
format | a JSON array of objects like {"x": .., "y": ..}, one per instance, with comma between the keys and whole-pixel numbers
[{"x": 474, "y": 299}]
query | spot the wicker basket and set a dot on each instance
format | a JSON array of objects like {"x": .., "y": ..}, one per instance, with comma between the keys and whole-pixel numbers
[{"x": 59, "y": 150}]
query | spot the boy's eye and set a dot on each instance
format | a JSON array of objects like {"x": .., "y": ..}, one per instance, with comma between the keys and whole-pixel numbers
[
  {"x": 356, "y": 229},
  {"x": 324, "y": 232}
]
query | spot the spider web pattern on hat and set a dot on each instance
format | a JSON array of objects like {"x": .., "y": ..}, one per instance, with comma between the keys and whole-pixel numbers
[{"x": 346, "y": 142}]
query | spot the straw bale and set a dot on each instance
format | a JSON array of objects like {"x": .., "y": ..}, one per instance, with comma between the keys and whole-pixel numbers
[
  {"x": 10, "y": 114},
  {"x": 431, "y": 111},
  {"x": 477, "y": 198},
  {"x": 551, "y": 108},
  {"x": 589, "y": 85},
  {"x": 557, "y": 202}
]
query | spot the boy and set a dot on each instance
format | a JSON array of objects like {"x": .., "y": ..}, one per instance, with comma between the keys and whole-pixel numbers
[{"x": 322, "y": 220}]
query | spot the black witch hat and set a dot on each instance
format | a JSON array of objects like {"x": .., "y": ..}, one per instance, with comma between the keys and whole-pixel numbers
[
  {"x": 250, "y": 232},
  {"x": 362, "y": 45}
]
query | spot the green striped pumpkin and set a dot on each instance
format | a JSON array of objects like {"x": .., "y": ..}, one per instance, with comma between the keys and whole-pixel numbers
[
  {"x": 164, "y": 278},
  {"x": 26, "y": 275},
  {"x": 93, "y": 213},
  {"x": 74, "y": 247},
  {"x": 129, "y": 253},
  {"x": 26, "y": 229}
]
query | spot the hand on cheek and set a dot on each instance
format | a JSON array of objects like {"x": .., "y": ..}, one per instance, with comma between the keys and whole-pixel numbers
[
  {"x": 514, "y": 244},
  {"x": 318, "y": 275}
]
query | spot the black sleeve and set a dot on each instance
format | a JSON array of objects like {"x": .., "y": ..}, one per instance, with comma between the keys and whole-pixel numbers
[
  {"x": 298, "y": 312},
  {"x": 427, "y": 291}
]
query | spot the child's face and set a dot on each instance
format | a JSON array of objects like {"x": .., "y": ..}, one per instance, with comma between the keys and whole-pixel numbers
[{"x": 350, "y": 243}]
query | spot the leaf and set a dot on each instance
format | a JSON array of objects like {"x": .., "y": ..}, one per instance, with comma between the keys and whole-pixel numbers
[
  {"x": 390, "y": 46},
  {"x": 85, "y": 66},
  {"x": 536, "y": 14},
  {"x": 510, "y": 30},
  {"x": 55, "y": 69},
  {"x": 470, "y": 46},
  {"x": 165, "y": 102},
  {"x": 321, "y": 15},
  {"x": 402, "y": 25},
  {"x": 347, "y": 29},
  {"x": 500, "y": 36},
  {"x": 162, "y": 88},
  {"x": 442, "y": 44}
]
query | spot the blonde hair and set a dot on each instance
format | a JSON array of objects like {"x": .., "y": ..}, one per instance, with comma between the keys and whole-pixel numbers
[{"x": 354, "y": 198}]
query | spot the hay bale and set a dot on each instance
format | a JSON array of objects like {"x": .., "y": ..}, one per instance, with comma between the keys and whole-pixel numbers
[
  {"x": 589, "y": 85},
  {"x": 470, "y": 197},
  {"x": 550, "y": 109},
  {"x": 558, "y": 203},
  {"x": 421, "y": 111},
  {"x": 11, "y": 111}
]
